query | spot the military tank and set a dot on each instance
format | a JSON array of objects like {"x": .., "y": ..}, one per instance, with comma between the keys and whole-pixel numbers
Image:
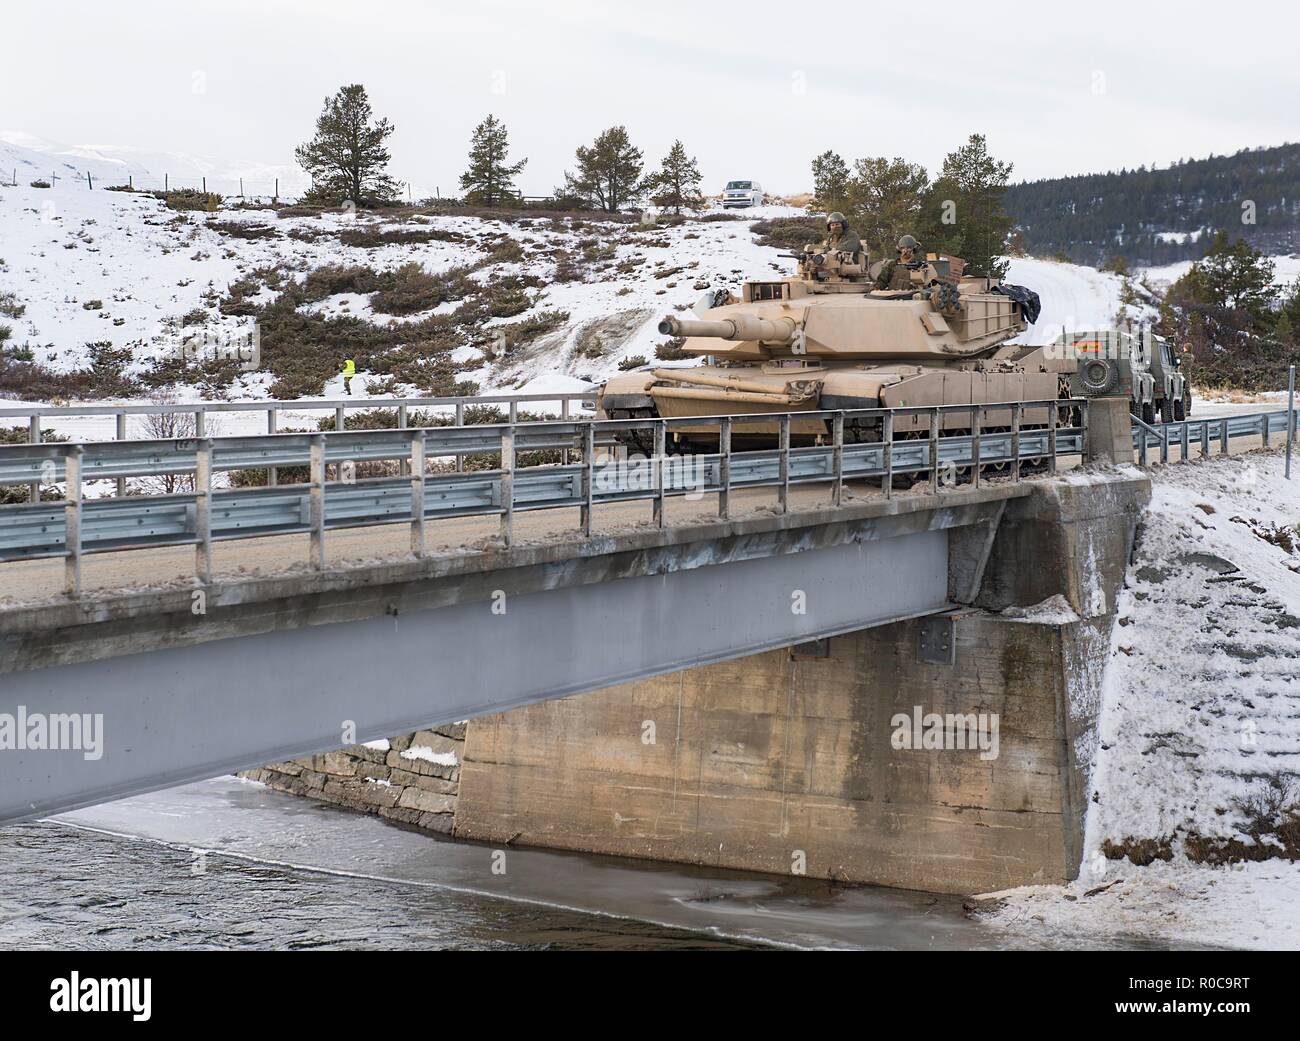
[{"x": 827, "y": 338}]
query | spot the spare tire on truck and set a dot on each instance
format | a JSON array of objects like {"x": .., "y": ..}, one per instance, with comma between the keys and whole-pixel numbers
[{"x": 1098, "y": 376}]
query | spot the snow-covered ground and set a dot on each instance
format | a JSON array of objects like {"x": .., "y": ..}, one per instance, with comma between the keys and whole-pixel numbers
[
  {"x": 1286, "y": 269},
  {"x": 1201, "y": 716},
  {"x": 1073, "y": 296}
]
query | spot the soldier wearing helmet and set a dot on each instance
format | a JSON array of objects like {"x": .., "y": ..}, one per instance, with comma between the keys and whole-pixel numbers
[
  {"x": 840, "y": 236},
  {"x": 897, "y": 274}
]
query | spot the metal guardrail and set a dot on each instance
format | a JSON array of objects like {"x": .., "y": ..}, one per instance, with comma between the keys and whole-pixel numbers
[
  {"x": 1206, "y": 432},
  {"x": 75, "y": 526}
]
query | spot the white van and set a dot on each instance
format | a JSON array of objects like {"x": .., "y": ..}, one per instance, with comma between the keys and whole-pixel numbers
[{"x": 743, "y": 193}]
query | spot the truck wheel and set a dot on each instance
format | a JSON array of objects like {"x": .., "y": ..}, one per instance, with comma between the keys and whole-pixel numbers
[
  {"x": 1149, "y": 413},
  {"x": 1166, "y": 410}
]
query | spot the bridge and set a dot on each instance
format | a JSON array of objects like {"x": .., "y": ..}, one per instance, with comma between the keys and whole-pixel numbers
[{"x": 221, "y": 672}]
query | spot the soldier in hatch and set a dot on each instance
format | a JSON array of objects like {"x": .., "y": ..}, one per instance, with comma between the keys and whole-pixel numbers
[
  {"x": 840, "y": 236},
  {"x": 897, "y": 274}
]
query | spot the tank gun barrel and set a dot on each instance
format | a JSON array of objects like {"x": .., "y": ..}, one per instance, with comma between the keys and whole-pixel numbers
[{"x": 738, "y": 327}]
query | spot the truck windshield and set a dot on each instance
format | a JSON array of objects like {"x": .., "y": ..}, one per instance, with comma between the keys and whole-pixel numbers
[{"x": 739, "y": 186}]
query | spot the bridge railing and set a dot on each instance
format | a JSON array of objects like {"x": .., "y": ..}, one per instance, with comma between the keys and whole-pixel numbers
[
  {"x": 993, "y": 436},
  {"x": 1205, "y": 433}
]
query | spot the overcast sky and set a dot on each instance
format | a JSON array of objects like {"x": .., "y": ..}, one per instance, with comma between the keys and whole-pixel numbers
[{"x": 754, "y": 89}]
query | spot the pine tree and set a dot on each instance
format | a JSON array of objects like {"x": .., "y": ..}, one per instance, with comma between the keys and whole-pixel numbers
[
  {"x": 489, "y": 181},
  {"x": 883, "y": 202},
  {"x": 347, "y": 159},
  {"x": 609, "y": 172},
  {"x": 677, "y": 184},
  {"x": 963, "y": 209},
  {"x": 830, "y": 182}
]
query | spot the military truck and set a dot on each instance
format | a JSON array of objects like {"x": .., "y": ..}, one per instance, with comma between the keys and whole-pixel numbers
[
  {"x": 1110, "y": 358},
  {"x": 828, "y": 339}
]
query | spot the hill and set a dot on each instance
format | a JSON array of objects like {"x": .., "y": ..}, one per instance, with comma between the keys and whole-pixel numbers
[{"x": 1162, "y": 216}]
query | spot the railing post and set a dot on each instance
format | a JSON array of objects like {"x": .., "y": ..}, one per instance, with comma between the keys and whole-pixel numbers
[
  {"x": 514, "y": 412},
  {"x": 1053, "y": 415},
  {"x": 121, "y": 436},
  {"x": 416, "y": 465},
  {"x": 588, "y": 478},
  {"x": 887, "y": 453},
  {"x": 1290, "y": 417},
  {"x": 404, "y": 467},
  {"x": 1017, "y": 415},
  {"x": 200, "y": 423},
  {"x": 565, "y": 455},
  {"x": 1224, "y": 447},
  {"x": 340, "y": 418},
  {"x": 34, "y": 438},
  {"x": 661, "y": 450},
  {"x": 783, "y": 463},
  {"x": 1143, "y": 435},
  {"x": 837, "y": 458},
  {"x": 1263, "y": 427},
  {"x": 316, "y": 501},
  {"x": 1184, "y": 442},
  {"x": 1205, "y": 438},
  {"x": 203, "y": 511},
  {"x": 934, "y": 451},
  {"x": 1164, "y": 443},
  {"x": 272, "y": 476},
  {"x": 976, "y": 422},
  {"x": 72, "y": 522},
  {"x": 724, "y": 465},
  {"x": 460, "y": 422},
  {"x": 507, "y": 484}
]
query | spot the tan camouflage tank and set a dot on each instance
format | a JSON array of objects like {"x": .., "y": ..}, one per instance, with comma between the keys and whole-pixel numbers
[{"x": 829, "y": 339}]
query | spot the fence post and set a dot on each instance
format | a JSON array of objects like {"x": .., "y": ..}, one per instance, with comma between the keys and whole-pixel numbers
[
  {"x": 588, "y": 478},
  {"x": 1224, "y": 447},
  {"x": 1053, "y": 415},
  {"x": 837, "y": 459},
  {"x": 34, "y": 438},
  {"x": 661, "y": 491},
  {"x": 783, "y": 463},
  {"x": 316, "y": 502},
  {"x": 200, "y": 423},
  {"x": 887, "y": 453},
  {"x": 1205, "y": 438},
  {"x": 203, "y": 511},
  {"x": 507, "y": 484},
  {"x": 934, "y": 451},
  {"x": 416, "y": 463},
  {"x": 724, "y": 465},
  {"x": 1263, "y": 428},
  {"x": 404, "y": 467},
  {"x": 1017, "y": 414},
  {"x": 1184, "y": 443},
  {"x": 976, "y": 422},
  {"x": 1290, "y": 417},
  {"x": 271, "y": 417},
  {"x": 121, "y": 436},
  {"x": 72, "y": 522},
  {"x": 460, "y": 422}
]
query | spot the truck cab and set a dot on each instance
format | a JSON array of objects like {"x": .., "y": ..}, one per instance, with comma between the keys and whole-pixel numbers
[{"x": 742, "y": 193}]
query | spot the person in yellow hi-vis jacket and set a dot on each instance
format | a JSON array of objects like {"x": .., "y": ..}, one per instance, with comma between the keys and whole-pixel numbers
[{"x": 349, "y": 370}]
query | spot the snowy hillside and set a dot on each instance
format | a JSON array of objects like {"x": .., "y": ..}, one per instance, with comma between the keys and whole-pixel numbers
[
  {"x": 27, "y": 158},
  {"x": 1200, "y": 727},
  {"x": 122, "y": 271}
]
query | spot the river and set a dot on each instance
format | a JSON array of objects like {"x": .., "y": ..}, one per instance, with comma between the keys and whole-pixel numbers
[{"x": 231, "y": 864}]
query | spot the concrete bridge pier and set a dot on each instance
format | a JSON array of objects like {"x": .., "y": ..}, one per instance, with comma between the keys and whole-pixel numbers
[{"x": 946, "y": 753}]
